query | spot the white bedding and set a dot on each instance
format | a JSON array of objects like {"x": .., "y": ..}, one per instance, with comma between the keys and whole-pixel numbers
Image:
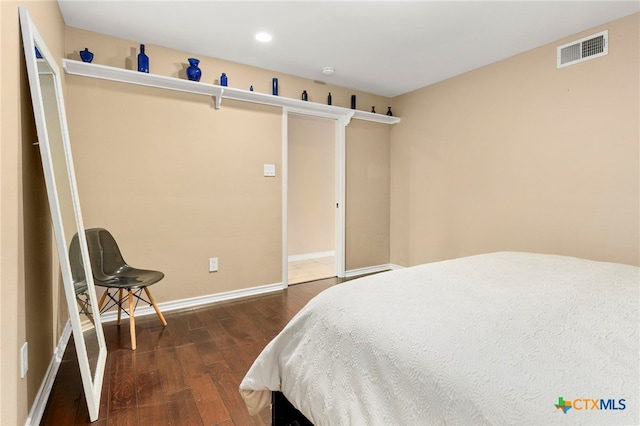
[{"x": 487, "y": 339}]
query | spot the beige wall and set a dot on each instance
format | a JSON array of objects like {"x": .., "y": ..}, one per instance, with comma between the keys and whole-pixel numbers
[
  {"x": 27, "y": 301},
  {"x": 174, "y": 179},
  {"x": 368, "y": 194},
  {"x": 311, "y": 184},
  {"x": 519, "y": 155}
]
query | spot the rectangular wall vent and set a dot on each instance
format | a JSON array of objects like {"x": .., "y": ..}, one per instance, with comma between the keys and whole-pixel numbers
[{"x": 584, "y": 49}]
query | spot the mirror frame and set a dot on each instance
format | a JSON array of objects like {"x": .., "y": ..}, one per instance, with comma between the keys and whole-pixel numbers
[{"x": 31, "y": 38}]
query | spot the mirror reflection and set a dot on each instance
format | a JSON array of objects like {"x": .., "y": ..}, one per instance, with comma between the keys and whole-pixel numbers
[
  {"x": 69, "y": 226},
  {"x": 75, "y": 267},
  {"x": 85, "y": 307}
]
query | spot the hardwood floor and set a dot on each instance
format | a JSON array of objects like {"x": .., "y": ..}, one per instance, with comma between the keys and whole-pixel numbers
[{"x": 187, "y": 373}]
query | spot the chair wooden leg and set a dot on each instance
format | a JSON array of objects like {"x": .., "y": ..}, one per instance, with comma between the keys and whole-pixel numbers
[
  {"x": 132, "y": 321},
  {"x": 119, "y": 304},
  {"x": 153, "y": 302},
  {"x": 102, "y": 299}
]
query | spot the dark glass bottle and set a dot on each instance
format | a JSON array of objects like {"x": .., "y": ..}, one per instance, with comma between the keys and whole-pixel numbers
[
  {"x": 223, "y": 79},
  {"x": 274, "y": 86},
  {"x": 389, "y": 113},
  {"x": 329, "y": 99},
  {"x": 143, "y": 60},
  {"x": 251, "y": 88},
  {"x": 353, "y": 101},
  {"x": 305, "y": 97},
  {"x": 373, "y": 109}
]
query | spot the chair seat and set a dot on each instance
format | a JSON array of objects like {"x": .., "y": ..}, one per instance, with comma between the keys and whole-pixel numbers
[{"x": 130, "y": 278}]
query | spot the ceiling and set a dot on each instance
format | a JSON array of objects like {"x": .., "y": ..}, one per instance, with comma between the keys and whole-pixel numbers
[{"x": 382, "y": 47}]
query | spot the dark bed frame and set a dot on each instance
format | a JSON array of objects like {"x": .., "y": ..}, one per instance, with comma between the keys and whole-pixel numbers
[{"x": 285, "y": 414}]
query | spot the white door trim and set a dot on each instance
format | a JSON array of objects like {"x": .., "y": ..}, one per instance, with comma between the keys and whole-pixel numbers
[
  {"x": 340, "y": 178},
  {"x": 285, "y": 198}
]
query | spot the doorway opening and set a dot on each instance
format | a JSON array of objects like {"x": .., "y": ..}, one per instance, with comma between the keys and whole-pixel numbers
[{"x": 311, "y": 198}]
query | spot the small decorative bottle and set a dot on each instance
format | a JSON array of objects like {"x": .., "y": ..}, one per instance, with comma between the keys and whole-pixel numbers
[
  {"x": 353, "y": 101},
  {"x": 389, "y": 113},
  {"x": 143, "y": 60},
  {"x": 223, "y": 79},
  {"x": 373, "y": 109},
  {"x": 86, "y": 56},
  {"x": 305, "y": 97},
  {"x": 329, "y": 99},
  {"x": 274, "y": 86},
  {"x": 193, "y": 72},
  {"x": 251, "y": 88}
]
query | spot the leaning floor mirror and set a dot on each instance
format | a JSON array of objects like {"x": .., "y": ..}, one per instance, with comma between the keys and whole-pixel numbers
[{"x": 71, "y": 243}]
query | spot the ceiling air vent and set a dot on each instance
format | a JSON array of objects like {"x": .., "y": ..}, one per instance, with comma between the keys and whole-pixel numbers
[{"x": 584, "y": 49}]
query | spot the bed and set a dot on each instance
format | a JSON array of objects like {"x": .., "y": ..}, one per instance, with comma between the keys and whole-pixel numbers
[{"x": 498, "y": 338}]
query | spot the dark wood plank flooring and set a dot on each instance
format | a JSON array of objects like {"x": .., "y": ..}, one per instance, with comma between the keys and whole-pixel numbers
[{"x": 187, "y": 373}]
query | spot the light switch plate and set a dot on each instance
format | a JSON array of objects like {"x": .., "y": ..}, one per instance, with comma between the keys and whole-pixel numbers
[
  {"x": 213, "y": 264},
  {"x": 269, "y": 170}
]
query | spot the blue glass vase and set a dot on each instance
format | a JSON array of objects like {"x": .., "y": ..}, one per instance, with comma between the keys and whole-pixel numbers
[
  {"x": 143, "y": 60},
  {"x": 274, "y": 86},
  {"x": 86, "y": 56},
  {"x": 223, "y": 79},
  {"x": 193, "y": 72}
]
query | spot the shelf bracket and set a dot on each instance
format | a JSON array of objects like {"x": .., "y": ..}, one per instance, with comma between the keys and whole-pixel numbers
[
  {"x": 348, "y": 117},
  {"x": 218, "y": 98}
]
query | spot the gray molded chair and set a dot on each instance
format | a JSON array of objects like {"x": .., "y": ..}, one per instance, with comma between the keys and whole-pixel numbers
[{"x": 112, "y": 272}]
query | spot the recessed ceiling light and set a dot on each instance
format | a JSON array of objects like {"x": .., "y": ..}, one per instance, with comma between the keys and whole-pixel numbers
[
  {"x": 328, "y": 71},
  {"x": 263, "y": 37}
]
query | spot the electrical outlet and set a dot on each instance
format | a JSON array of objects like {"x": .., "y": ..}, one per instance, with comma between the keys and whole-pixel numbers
[
  {"x": 213, "y": 264},
  {"x": 24, "y": 360}
]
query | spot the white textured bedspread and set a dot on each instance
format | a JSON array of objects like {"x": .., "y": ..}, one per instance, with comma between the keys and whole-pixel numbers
[{"x": 488, "y": 339}]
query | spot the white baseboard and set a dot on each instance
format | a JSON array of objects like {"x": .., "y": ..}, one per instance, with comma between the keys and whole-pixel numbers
[
  {"x": 40, "y": 403},
  {"x": 231, "y": 295},
  {"x": 310, "y": 256},
  {"x": 371, "y": 270},
  {"x": 197, "y": 301},
  {"x": 393, "y": 266}
]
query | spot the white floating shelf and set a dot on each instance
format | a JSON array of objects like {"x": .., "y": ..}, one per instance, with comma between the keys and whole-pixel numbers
[{"x": 219, "y": 92}]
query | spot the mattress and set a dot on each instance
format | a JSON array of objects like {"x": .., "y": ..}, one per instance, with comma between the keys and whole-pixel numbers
[{"x": 499, "y": 338}]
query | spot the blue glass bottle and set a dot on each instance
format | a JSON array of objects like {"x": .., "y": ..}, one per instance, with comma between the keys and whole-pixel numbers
[
  {"x": 223, "y": 79},
  {"x": 274, "y": 86},
  {"x": 193, "y": 72},
  {"x": 251, "y": 88},
  {"x": 143, "y": 60},
  {"x": 85, "y": 55}
]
